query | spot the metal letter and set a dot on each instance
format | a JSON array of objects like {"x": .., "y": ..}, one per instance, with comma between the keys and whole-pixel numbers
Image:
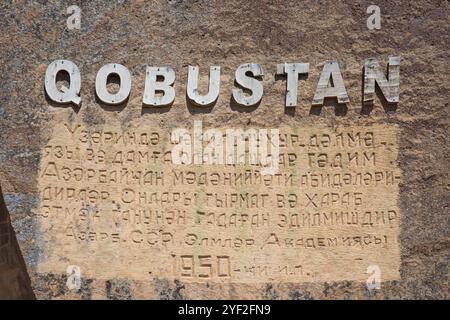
[
  {"x": 152, "y": 86},
  {"x": 213, "y": 89},
  {"x": 67, "y": 95},
  {"x": 101, "y": 81},
  {"x": 292, "y": 70},
  {"x": 325, "y": 89},
  {"x": 250, "y": 83}
]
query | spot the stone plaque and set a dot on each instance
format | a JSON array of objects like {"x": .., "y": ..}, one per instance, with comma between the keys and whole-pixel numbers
[
  {"x": 113, "y": 203},
  {"x": 112, "y": 114}
]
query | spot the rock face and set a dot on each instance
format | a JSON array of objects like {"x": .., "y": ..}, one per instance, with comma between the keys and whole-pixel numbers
[
  {"x": 14, "y": 281},
  {"x": 100, "y": 211}
]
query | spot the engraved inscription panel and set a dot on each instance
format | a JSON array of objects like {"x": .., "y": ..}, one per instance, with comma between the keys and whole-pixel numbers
[{"x": 113, "y": 203}]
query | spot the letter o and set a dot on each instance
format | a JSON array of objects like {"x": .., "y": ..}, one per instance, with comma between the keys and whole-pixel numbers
[{"x": 101, "y": 81}]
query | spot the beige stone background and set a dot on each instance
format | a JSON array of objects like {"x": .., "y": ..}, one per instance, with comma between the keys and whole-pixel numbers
[{"x": 229, "y": 33}]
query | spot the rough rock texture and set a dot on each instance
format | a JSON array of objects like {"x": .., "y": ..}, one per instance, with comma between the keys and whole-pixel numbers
[
  {"x": 14, "y": 280},
  {"x": 229, "y": 33}
]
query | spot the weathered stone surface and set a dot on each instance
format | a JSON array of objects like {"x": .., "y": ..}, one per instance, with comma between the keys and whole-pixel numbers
[
  {"x": 410, "y": 141},
  {"x": 14, "y": 281}
]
